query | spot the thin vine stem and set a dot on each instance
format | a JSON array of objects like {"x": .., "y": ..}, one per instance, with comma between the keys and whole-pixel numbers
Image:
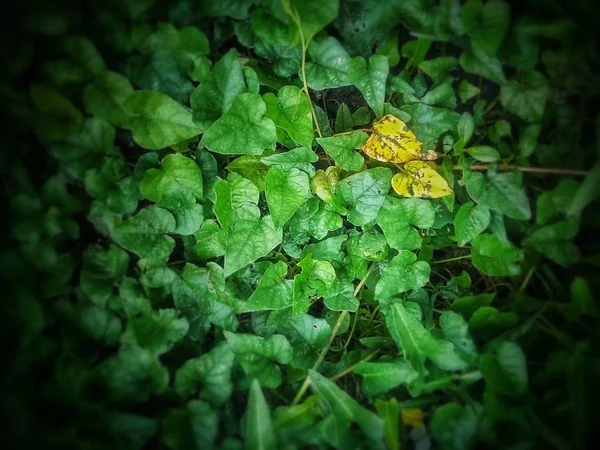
[
  {"x": 456, "y": 258},
  {"x": 334, "y": 332},
  {"x": 508, "y": 167},
  {"x": 350, "y": 369}
]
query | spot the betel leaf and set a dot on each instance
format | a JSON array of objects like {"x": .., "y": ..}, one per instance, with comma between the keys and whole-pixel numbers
[
  {"x": 299, "y": 158},
  {"x": 178, "y": 173},
  {"x": 471, "y": 220},
  {"x": 105, "y": 97},
  {"x": 486, "y": 24},
  {"x": 403, "y": 273},
  {"x": 370, "y": 79},
  {"x": 526, "y": 96},
  {"x": 158, "y": 121},
  {"x": 494, "y": 256},
  {"x": 259, "y": 434},
  {"x": 215, "y": 95},
  {"x": 343, "y": 149},
  {"x": 329, "y": 66},
  {"x": 364, "y": 194},
  {"x": 285, "y": 191},
  {"x": 145, "y": 234},
  {"x": 501, "y": 192},
  {"x": 344, "y": 408},
  {"x": 249, "y": 238},
  {"x": 308, "y": 17},
  {"x": 243, "y": 130},
  {"x": 273, "y": 291},
  {"x": 291, "y": 113}
]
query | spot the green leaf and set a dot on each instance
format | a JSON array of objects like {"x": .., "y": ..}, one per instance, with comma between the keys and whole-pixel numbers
[
  {"x": 370, "y": 245},
  {"x": 343, "y": 119},
  {"x": 308, "y": 17},
  {"x": 258, "y": 356},
  {"x": 188, "y": 214},
  {"x": 528, "y": 141},
  {"x": 506, "y": 371},
  {"x": 403, "y": 273},
  {"x": 83, "y": 51},
  {"x": 554, "y": 242},
  {"x": 439, "y": 68},
  {"x": 195, "y": 426},
  {"x": 299, "y": 158},
  {"x": 456, "y": 330},
  {"x": 370, "y": 79},
  {"x": 324, "y": 183},
  {"x": 552, "y": 204},
  {"x": 285, "y": 191},
  {"x": 344, "y": 408},
  {"x": 252, "y": 168},
  {"x": 106, "y": 96},
  {"x": 466, "y": 126},
  {"x": 486, "y": 24},
  {"x": 477, "y": 62},
  {"x": 494, "y": 256},
  {"x": 342, "y": 149},
  {"x": 327, "y": 250},
  {"x": 259, "y": 434},
  {"x": 587, "y": 192},
  {"x": 381, "y": 377},
  {"x": 273, "y": 291},
  {"x": 244, "y": 129},
  {"x": 429, "y": 122},
  {"x": 208, "y": 375},
  {"x": 54, "y": 117},
  {"x": 483, "y": 153},
  {"x": 389, "y": 49},
  {"x": 291, "y": 113},
  {"x": 397, "y": 217},
  {"x": 249, "y": 238},
  {"x": 418, "y": 344},
  {"x": 316, "y": 279},
  {"x": 329, "y": 66},
  {"x": 178, "y": 173},
  {"x": 442, "y": 95},
  {"x": 501, "y": 192},
  {"x": 470, "y": 221},
  {"x": 454, "y": 427},
  {"x": 210, "y": 241},
  {"x": 467, "y": 91},
  {"x": 215, "y": 95},
  {"x": 158, "y": 121},
  {"x": 526, "y": 97},
  {"x": 145, "y": 234},
  {"x": 101, "y": 268},
  {"x": 157, "y": 331},
  {"x": 364, "y": 194}
]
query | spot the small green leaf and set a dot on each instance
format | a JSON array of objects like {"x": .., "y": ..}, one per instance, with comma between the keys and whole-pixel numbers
[
  {"x": 324, "y": 183},
  {"x": 235, "y": 197},
  {"x": 554, "y": 242},
  {"x": 178, "y": 173},
  {"x": 343, "y": 149},
  {"x": 477, "y": 62},
  {"x": 244, "y": 129},
  {"x": 467, "y": 91},
  {"x": 308, "y": 17},
  {"x": 528, "y": 141},
  {"x": 494, "y": 256},
  {"x": 329, "y": 66},
  {"x": 466, "y": 126},
  {"x": 106, "y": 96},
  {"x": 291, "y": 113},
  {"x": 259, "y": 434},
  {"x": 158, "y": 331},
  {"x": 403, "y": 273},
  {"x": 526, "y": 97},
  {"x": 429, "y": 122},
  {"x": 552, "y": 204},
  {"x": 471, "y": 220},
  {"x": 300, "y": 158},
  {"x": 587, "y": 192},
  {"x": 442, "y": 96},
  {"x": 454, "y": 427},
  {"x": 54, "y": 116},
  {"x": 501, "y": 192},
  {"x": 188, "y": 214},
  {"x": 381, "y": 377},
  {"x": 389, "y": 49},
  {"x": 158, "y": 121},
  {"x": 486, "y": 24},
  {"x": 397, "y": 217},
  {"x": 316, "y": 278},
  {"x": 506, "y": 371},
  {"x": 285, "y": 191},
  {"x": 364, "y": 194},
  {"x": 252, "y": 168},
  {"x": 370, "y": 79},
  {"x": 483, "y": 153},
  {"x": 439, "y": 68},
  {"x": 343, "y": 119},
  {"x": 273, "y": 291},
  {"x": 195, "y": 426}
]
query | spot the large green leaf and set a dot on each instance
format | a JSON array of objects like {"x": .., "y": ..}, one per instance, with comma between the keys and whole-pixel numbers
[
  {"x": 397, "y": 217},
  {"x": 494, "y": 256},
  {"x": 291, "y": 113},
  {"x": 343, "y": 149},
  {"x": 554, "y": 242},
  {"x": 234, "y": 197},
  {"x": 300, "y": 158},
  {"x": 285, "y": 191},
  {"x": 370, "y": 79},
  {"x": 244, "y": 129},
  {"x": 188, "y": 214},
  {"x": 429, "y": 122},
  {"x": 486, "y": 24},
  {"x": 364, "y": 194},
  {"x": 259, "y": 434},
  {"x": 308, "y": 17},
  {"x": 403, "y": 273},
  {"x": 177, "y": 173},
  {"x": 330, "y": 64},
  {"x": 158, "y": 121},
  {"x": 215, "y": 95},
  {"x": 526, "y": 96}
]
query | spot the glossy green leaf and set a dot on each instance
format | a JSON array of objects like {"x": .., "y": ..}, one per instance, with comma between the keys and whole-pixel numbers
[
  {"x": 429, "y": 122},
  {"x": 291, "y": 113},
  {"x": 329, "y": 65},
  {"x": 397, "y": 217},
  {"x": 483, "y": 153},
  {"x": 299, "y": 158},
  {"x": 343, "y": 149},
  {"x": 403, "y": 273},
  {"x": 370, "y": 79},
  {"x": 364, "y": 194},
  {"x": 285, "y": 191},
  {"x": 178, "y": 173},
  {"x": 252, "y": 168},
  {"x": 273, "y": 291}
]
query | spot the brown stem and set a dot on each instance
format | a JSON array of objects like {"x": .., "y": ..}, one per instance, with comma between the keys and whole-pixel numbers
[{"x": 507, "y": 167}]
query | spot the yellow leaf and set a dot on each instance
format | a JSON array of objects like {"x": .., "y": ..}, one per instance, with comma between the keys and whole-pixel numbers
[
  {"x": 392, "y": 141},
  {"x": 324, "y": 183},
  {"x": 413, "y": 417},
  {"x": 419, "y": 179}
]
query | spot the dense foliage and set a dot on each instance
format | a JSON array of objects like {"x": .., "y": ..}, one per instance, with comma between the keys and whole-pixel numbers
[{"x": 200, "y": 256}]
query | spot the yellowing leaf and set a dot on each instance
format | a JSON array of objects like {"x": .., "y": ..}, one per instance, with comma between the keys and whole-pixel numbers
[
  {"x": 419, "y": 179},
  {"x": 413, "y": 417},
  {"x": 323, "y": 184},
  {"x": 392, "y": 141}
]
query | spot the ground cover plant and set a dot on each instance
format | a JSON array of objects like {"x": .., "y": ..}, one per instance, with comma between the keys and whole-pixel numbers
[{"x": 300, "y": 224}]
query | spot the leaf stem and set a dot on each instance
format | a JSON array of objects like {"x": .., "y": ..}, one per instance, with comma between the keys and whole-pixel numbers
[
  {"x": 367, "y": 130},
  {"x": 334, "y": 332},
  {"x": 456, "y": 258},
  {"x": 508, "y": 167},
  {"x": 350, "y": 369}
]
